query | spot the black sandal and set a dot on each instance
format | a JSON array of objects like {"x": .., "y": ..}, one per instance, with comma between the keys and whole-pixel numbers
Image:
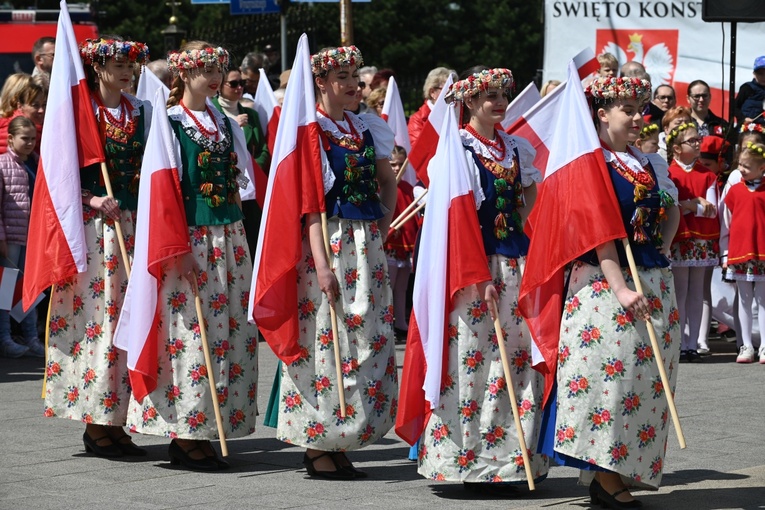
[
  {"x": 340, "y": 458},
  {"x": 599, "y": 495},
  {"x": 129, "y": 448},
  {"x": 180, "y": 456},
  {"x": 338, "y": 474},
  {"x": 91, "y": 446}
]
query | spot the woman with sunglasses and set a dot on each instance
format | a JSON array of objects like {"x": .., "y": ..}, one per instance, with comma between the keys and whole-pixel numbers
[
  {"x": 470, "y": 436},
  {"x": 228, "y": 102},
  {"x": 695, "y": 249}
]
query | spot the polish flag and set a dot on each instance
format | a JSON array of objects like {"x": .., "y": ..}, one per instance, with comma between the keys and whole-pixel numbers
[
  {"x": 56, "y": 247},
  {"x": 161, "y": 234},
  {"x": 425, "y": 147},
  {"x": 565, "y": 225},
  {"x": 522, "y": 103},
  {"x": 268, "y": 110},
  {"x": 295, "y": 188},
  {"x": 536, "y": 124},
  {"x": 393, "y": 114},
  {"x": 148, "y": 84},
  {"x": 451, "y": 258}
]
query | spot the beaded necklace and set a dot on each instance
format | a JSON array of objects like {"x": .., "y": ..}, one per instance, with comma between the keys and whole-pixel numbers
[
  {"x": 118, "y": 129},
  {"x": 209, "y": 134},
  {"x": 496, "y": 147},
  {"x": 643, "y": 181},
  {"x": 350, "y": 139}
]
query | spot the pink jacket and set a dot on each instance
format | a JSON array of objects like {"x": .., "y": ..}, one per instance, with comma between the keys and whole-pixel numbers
[{"x": 14, "y": 199}]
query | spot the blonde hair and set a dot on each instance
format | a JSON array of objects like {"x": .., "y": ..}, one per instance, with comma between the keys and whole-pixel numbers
[
  {"x": 376, "y": 97},
  {"x": 548, "y": 86},
  {"x": 608, "y": 58},
  {"x": 753, "y": 149},
  {"x": 19, "y": 88},
  {"x": 435, "y": 79},
  {"x": 178, "y": 87}
]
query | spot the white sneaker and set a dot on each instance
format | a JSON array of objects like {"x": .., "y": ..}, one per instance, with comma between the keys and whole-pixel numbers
[
  {"x": 745, "y": 355},
  {"x": 762, "y": 355}
]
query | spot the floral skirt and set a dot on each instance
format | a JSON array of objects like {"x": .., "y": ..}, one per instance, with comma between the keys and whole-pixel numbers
[
  {"x": 751, "y": 271},
  {"x": 612, "y": 410},
  {"x": 309, "y": 408},
  {"x": 695, "y": 253},
  {"x": 471, "y": 435},
  {"x": 181, "y": 406},
  {"x": 86, "y": 376}
]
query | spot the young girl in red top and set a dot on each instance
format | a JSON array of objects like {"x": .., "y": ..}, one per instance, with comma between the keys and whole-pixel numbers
[
  {"x": 695, "y": 249},
  {"x": 745, "y": 244}
]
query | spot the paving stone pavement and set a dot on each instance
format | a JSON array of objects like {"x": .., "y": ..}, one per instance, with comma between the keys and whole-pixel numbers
[{"x": 43, "y": 464}]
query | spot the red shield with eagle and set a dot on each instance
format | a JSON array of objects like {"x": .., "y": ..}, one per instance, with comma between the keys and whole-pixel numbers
[{"x": 655, "y": 49}]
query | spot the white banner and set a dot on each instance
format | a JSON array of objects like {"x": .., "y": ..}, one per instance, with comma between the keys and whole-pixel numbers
[{"x": 667, "y": 36}]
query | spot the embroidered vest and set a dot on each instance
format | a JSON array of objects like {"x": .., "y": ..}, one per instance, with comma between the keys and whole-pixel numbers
[
  {"x": 498, "y": 216},
  {"x": 202, "y": 155},
  {"x": 354, "y": 193},
  {"x": 642, "y": 222},
  {"x": 124, "y": 155}
]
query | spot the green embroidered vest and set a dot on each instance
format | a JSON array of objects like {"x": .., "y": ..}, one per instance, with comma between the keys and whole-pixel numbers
[
  {"x": 200, "y": 156},
  {"x": 124, "y": 154}
]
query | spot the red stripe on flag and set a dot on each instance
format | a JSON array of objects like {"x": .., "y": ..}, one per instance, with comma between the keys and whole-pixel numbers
[
  {"x": 522, "y": 129},
  {"x": 89, "y": 140},
  {"x": 261, "y": 183},
  {"x": 46, "y": 234},
  {"x": 423, "y": 151},
  {"x": 413, "y": 411},
  {"x": 273, "y": 125}
]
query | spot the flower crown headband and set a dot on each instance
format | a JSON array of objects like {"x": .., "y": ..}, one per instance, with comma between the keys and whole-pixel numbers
[
  {"x": 620, "y": 88},
  {"x": 751, "y": 127},
  {"x": 192, "y": 59},
  {"x": 679, "y": 129},
  {"x": 755, "y": 149},
  {"x": 334, "y": 58},
  {"x": 648, "y": 130},
  {"x": 499, "y": 77},
  {"x": 98, "y": 50}
]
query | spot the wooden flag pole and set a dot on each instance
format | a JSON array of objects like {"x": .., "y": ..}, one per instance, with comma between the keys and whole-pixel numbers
[
  {"x": 401, "y": 170},
  {"x": 409, "y": 216},
  {"x": 208, "y": 364},
  {"x": 656, "y": 349},
  {"x": 333, "y": 318},
  {"x": 407, "y": 210},
  {"x": 117, "y": 226},
  {"x": 511, "y": 395}
]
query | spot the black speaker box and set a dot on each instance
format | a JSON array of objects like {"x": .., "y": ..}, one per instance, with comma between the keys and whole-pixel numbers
[{"x": 742, "y": 11}]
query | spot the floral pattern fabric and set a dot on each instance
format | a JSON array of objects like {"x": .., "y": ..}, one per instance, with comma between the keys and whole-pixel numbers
[
  {"x": 750, "y": 271},
  {"x": 695, "y": 252},
  {"x": 86, "y": 376},
  {"x": 309, "y": 408},
  {"x": 612, "y": 410},
  {"x": 471, "y": 435},
  {"x": 181, "y": 406}
]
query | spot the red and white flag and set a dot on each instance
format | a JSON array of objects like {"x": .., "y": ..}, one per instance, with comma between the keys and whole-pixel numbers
[
  {"x": 521, "y": 104},
  {"x": 425, "y": 147},
  {"x": 536, "y": 125},
  {"x": 295, "y": 188},
  {"x": 148, "y": 84},
  {"x": 161, "y": 233},
  {"x": 268, "y": 110},
  {"x": 393, "y": 114},
  {"x": 451, "y": 258},
  {"x": 56, "y": 247},
  {"x": 565, "y": 225}
]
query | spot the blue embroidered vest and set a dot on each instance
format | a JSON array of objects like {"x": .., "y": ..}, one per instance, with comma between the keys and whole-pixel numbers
[
  {"x": 354, "y": 194},
  {"x": 498, "y": 216},
  {"x": 642, "y": 216}
]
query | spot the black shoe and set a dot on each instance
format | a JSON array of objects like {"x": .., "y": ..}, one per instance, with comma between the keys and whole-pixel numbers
[
  {"x": 500, "y": 490},
  {"x": 91, "y": 446},
  {"x": 684, "y": 357},
  {"x": 341, "y": 460},
  {"x": 400, "y": 334},
  {"x": 338, "y": 474},
  {"x": 128, "y": 448},
  {"x": 180, "y": 456},
  {"x": 222, "y": 464},
  {"x": 598, "y": 495},
  {"x": 693, "y": 356}
]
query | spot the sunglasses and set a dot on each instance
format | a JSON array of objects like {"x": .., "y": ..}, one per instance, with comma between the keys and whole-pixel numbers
[{"x": 236, "y": 83}]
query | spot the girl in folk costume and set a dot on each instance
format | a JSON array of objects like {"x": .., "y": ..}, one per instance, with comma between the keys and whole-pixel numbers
[
  {"x": 471, "y": 437},
  {"x": 611, "y": 413},
  {"x": 695, "y": 249},
  {"x": 356, "y": 168},
  {"x": 212, "y": 159},
  {"x": 86, "y": 375},
  {"x": 743, "y": 244},
  {"x": 399, "y": 246}
]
